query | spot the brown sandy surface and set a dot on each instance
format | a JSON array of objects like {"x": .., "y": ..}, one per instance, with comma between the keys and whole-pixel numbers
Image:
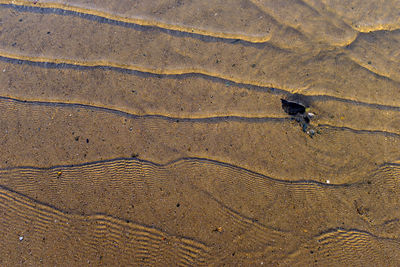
[{"x": 151, "y": 133}]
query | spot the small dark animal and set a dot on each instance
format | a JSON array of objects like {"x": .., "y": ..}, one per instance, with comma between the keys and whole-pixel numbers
[{"x": 293, "y": 108}]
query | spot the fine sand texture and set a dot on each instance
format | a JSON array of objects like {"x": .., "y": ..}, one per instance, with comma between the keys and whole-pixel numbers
[{"x": 152, "y": 133}]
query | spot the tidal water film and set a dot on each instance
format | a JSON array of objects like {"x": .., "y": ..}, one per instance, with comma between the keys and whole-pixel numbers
[{"x": 192, "y": 133}]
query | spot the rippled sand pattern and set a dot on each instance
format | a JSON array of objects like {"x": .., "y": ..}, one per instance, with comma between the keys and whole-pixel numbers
[{"x": 151, "y": 133}]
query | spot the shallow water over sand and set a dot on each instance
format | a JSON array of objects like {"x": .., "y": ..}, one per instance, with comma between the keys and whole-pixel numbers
[{"x": 152, "y": 133}]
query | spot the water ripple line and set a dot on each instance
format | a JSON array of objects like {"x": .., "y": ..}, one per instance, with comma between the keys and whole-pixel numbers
[
  {"x": 181, "y": 160},
  {"x": 130, "y": 69},
  {"x": 215, "y": 119},
  {"x": 65, "y": 9}
]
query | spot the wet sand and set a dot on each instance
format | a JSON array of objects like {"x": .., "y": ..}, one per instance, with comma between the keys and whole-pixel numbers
[{"x": 153, "y": 134}]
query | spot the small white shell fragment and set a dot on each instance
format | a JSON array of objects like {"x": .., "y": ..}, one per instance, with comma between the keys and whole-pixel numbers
[
  {"x": 21, "y": 238},
  {"x": 328, "y": 182}
]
